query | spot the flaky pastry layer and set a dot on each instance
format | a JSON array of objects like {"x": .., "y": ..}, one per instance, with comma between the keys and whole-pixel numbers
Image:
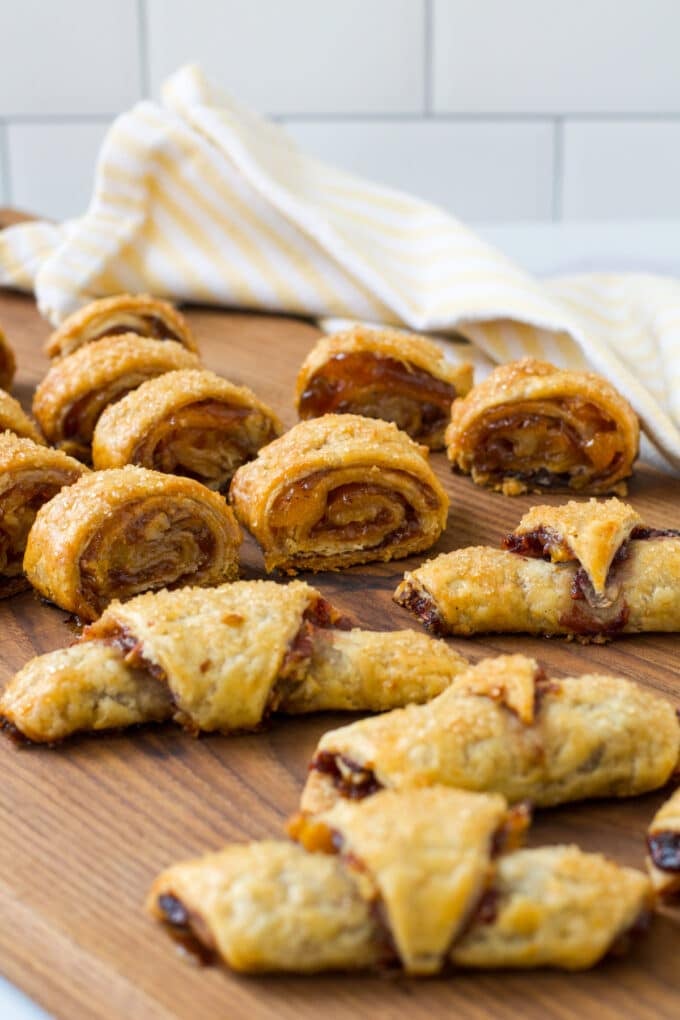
[
  {"x": 30, "y": 475},
  {"x": 117, "y": 533},
  {"x": 503, "y": 726},
  {"x": 123, "y": 313},
  {"x": 382, "y": 373},
  {"x": 77, "y": 389},
  {"x": 530, "y": 426},
  {"x": 189, "y": 422},
  {"x": 337, "y": 491},
  {"x": 14, "y": 419},
  {"x": 8, "y": 362}
]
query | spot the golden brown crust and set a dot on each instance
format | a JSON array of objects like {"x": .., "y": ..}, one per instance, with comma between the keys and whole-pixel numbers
[
  {"x": 189, "y": 422},
  {"x": 382, "y": 373},
  {"x": 14, "y": 419},
  {"x": 77, "y": 389},
  {"x": 591, "y": 534},
  {"x": 337, "y": 491},
  {"x": 589, "y": 736},
  {"x": 123, "y": 313},
  {"x": 85, "y": 687},
  {"x": 120, "y": 532},
  {"x": 8, "y": 363},
  {"x": 555, "y": 906},
  {"x": 426, "y": 858},
  {"x": 530, "y": 426},
  {"x": 30, "y": 475},
  {"x": 663, "y": 846},
  {"x": 594, "y": 590},
  {"x": 414, "y": 869},
  {"x": 272, "y": 647}
]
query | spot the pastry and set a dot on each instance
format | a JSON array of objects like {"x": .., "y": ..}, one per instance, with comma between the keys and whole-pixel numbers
[
  {"x": 117, "y": 533},
  {"x": 7, "y": 363},
  {"x": 29, "y": 476},
  {"x": 124, "y": 313},
  {"x": 77, "y": 389},
  {"x": 381, "y": 373},
  {"x": 663, "y": 845},
  {"x": 190, "y": 422},
  {"x": 271, "y": 647},
  {"x": 412, "y": 880},
  {"x": 586, "y": 570},
  {"x": 14, "y": 419},
  {"x": 339, "y": 490},
  {"x": 530, "y": 427},
  {"x": 503, "y": 726}
]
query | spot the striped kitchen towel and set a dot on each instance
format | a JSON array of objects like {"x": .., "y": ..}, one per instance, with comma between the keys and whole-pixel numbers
[{"x": 199, "y": 199}]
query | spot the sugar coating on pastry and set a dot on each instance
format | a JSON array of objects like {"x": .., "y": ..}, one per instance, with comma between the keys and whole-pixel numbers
[
  {"x": 77, "y": 389},
  {"x": 188, "y": 422},
  {"x": 370, "y": 890},
  {"x": 554, "y": 906},
  {"x": 340, "y": 490},
  {"x": 30, "y": 475},
  {"x": 117, "y": 533},
  {"x": 85, "y": 687},
  {"x": 383, "y": 373},
  {"x": 14, "y": 419},
  {"x": 426, "y": 858},
  {"x": 585, "y": 570},
  {"x": 123, "y": 313},
  {"x": 590, "y": 533},
  {"x": 567, "y": 739},
  {"x": 8, "y": 363},
  {"x": 531, "y": 427},
  {"x": 663, "y": 847}
]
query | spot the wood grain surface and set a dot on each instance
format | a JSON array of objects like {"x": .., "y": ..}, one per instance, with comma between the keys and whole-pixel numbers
[{"x": 85, "y": 828}]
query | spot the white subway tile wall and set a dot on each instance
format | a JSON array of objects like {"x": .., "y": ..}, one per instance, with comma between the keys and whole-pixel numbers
[{"x": 497, "y": 110}]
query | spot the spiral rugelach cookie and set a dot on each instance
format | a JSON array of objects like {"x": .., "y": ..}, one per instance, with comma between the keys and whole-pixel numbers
[
  {"x": 663, "y": 847},
  {"x": 190, "y": 422},
  {"x": 14, "y": 419},
  {"x": 30, "y": 475},
  {"x": 117, "y": 533},
  {"x": 381, "y": 373},
  {"x": 339, "y": 490},
  {"x": 270, "y": 648},
  {"x": 8, "y": 363},
  {"x": 124, "y": 313},
  {"x": 425, "y": 880},
  {"x": 77, "y": 389},
  {"x": 530, "y": 427},
  {"x": 586, "y": 570},
  {"x": 504, "y": 726}
]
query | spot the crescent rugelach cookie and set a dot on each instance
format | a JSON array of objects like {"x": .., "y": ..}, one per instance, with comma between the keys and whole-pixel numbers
[
  {"x": 30, "y": 475},
  {"x": 663, "y": 847},
  {"x": 117, "y": 533},
  {"x": 8, "y": 363},
  {"x": 14, "y": 419},
  {"x": 588, "y": 570},
  {"x": 77, "y": 389},
  {"x": 425, "y": 880},
  {"x": 189, "y": 422},
  {"x": 124, "y": 313},
  {"x": 340, "y": 490},
  {"x": 271, "y": 648},
  {"x": 382, "y": 373},
  {"x": 530, "y": 427},
  {"x": 504, "y": 726}
]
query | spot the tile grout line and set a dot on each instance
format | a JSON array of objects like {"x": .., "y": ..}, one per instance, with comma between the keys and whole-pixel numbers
[
  {"x": 6, "y": 195},
  {"x": 558, "y": 169},
  {"x": 428, "y": 15},
  {"x": 143, "y": 47}
]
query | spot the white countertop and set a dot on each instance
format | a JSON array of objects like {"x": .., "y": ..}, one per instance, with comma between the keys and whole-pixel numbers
[{"x": 545, "y": 249}]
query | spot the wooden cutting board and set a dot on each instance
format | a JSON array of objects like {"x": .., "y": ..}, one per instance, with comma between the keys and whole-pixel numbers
[{"x": 86, "y": 827}]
